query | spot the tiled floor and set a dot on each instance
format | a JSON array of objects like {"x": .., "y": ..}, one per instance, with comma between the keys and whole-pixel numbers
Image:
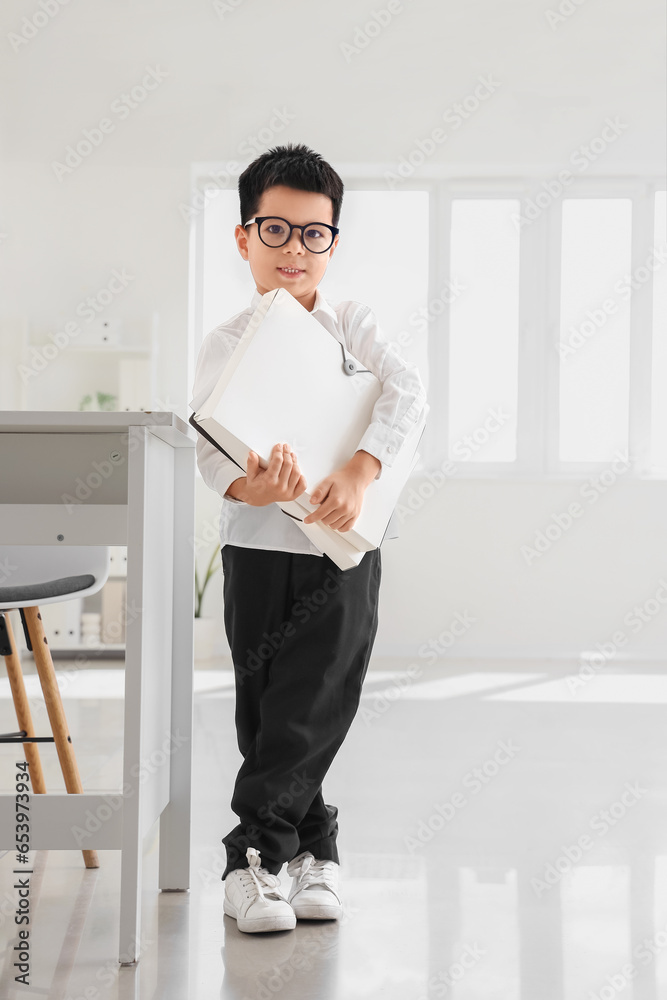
[{"x": 503, "y": 836}]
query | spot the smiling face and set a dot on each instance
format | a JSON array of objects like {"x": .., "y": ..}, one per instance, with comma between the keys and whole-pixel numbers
[{"x": 268, "y": 263}]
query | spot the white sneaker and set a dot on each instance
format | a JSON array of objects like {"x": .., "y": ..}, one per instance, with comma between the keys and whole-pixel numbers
[
  {"x": 252, "y": 899},
  {"x": 314, "y": 894}
]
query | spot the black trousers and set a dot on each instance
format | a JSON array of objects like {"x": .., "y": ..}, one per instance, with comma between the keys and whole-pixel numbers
[{"x": 301, "y": 632}]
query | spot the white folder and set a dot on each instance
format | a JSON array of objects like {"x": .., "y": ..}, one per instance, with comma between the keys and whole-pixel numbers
[{"x": 286, "y": 381}]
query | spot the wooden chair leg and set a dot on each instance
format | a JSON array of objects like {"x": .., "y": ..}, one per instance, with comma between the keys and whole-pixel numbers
[
  {"x": 54, "y": 707},
  {"x": 23, "y": 714}
]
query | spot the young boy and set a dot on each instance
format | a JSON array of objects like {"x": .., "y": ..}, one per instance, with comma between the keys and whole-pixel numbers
[{"x": 300, "y": 630}]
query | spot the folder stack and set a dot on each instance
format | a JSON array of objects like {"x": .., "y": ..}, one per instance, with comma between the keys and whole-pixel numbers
[{"x": 290, "y": 380}]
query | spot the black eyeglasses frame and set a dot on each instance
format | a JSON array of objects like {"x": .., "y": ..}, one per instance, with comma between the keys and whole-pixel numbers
[{"x": 259, "y": 219}]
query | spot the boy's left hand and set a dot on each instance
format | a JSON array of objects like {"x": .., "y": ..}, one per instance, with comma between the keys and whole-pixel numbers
[{"x": 341, "y": 494}]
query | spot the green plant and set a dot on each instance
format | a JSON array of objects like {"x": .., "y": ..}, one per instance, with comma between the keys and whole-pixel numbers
[
  {"x": 201, "y": 589},
  {"x": 105, "y": 401}
]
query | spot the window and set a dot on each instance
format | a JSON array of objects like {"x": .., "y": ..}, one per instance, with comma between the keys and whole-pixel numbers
[
  {"x": 656, "y": 267},
  {"x": 227, "y": 283},
  {"x": 537, "y": 359},
  {"x": 483, "y": 330},
  {"x": 594, "y": 342},
  {"x": 382, "y": 260}
]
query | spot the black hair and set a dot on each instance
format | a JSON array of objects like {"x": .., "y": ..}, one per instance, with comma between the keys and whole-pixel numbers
[{"x": 295, "y": 166}]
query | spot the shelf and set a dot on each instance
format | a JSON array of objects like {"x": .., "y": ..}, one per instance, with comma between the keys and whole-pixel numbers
[
  {"x": 103, "y": 348},
  {"x": 92, "y": 651}
]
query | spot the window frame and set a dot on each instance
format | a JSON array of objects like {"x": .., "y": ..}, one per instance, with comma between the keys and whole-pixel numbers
[{"x": 539, "y": 314}]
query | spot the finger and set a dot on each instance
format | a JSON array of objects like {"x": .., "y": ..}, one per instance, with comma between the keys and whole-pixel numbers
[
  {"x": 334, "y": 519},
  {"x": 295, "y": 462},
  {"x": 316, "y": 515},
  {"x": 297, "y": 487},
  {"x": 320, "y": 492},
  {"x": 336, "y": 516},
  {"x": 346, "y": 524},
  {"x": 286, "y": 468},
  {"x": 275, "y": 461},
  {"x": 296, "y": 476},
  {"x": 301, "y": 486},
  {"x": 252, "y": 464},
  {"x": 326, "y": 508},
  {"x": 296, "y": 471}
]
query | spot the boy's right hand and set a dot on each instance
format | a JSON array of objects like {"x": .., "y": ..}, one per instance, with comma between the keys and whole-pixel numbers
[{"x": 281, "y": 480}]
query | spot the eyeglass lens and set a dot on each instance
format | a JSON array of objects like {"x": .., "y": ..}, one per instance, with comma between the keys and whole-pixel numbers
[{"x": 275, "y": 232}]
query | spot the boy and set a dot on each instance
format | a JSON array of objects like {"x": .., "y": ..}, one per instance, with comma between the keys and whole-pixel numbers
[{"x": 300, "y": 630}]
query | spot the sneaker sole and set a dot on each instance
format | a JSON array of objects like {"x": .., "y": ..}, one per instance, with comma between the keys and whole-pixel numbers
[
  {"x": 283, "y": 922},
  {"x": 317, "y": 911}
]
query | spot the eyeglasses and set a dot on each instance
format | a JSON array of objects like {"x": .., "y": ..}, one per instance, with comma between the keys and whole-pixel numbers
[{"x": 276, "y": 232}]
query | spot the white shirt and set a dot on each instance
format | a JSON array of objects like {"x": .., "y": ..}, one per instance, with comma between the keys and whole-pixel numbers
[{"x": 401, "y": 404}]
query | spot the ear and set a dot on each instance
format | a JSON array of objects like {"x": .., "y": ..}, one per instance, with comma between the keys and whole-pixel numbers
[{"x": 241, "y": 237}]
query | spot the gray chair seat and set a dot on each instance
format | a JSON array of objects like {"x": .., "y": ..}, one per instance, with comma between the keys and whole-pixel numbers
[{"x": 48, "y": 588}]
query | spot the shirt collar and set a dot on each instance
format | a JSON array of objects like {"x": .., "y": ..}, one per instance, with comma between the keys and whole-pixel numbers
[{"x": 320, "y": 304}]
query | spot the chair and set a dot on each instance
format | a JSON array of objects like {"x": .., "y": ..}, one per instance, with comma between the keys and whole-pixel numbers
[{"x": 30, "y": 576}]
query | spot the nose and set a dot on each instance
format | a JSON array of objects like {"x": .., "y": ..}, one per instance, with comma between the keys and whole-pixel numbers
[{"x": 296, "y": 235}]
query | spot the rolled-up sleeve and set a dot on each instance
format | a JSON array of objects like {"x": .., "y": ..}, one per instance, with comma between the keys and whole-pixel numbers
[
  {"x": 218, "y": 471},
  {"x": 402, "y": 403}
]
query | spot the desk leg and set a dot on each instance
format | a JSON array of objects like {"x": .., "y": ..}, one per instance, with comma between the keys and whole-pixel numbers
[
  {"x": 150, "y": 743},
  {"x": 175, "y": 822},
  {"x": 131, "y": 861}
]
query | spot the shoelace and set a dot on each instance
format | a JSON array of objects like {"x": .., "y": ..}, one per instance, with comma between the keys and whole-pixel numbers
[
  {"x": 312, "y": 872},
  {"x": 262, "y": 879}
]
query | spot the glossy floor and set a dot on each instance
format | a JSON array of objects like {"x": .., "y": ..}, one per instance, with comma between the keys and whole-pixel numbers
[{"x": 503, "y": 836}]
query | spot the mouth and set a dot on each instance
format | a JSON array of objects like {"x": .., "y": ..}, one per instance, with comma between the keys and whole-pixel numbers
[{"x": 291, "y": 272}]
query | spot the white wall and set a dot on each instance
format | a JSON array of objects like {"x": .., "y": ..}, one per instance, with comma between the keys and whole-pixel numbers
[{"x": 120, "y": 209}]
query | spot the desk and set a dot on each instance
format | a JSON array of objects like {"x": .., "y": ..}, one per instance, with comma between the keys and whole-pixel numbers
[{"x": 80, "y": 478}]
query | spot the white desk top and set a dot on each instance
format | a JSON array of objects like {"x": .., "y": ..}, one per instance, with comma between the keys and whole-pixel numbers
[{"x": 163, "y": 423}]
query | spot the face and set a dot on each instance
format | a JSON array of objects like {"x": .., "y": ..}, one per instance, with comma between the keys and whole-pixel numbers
[{"x": 266, "y": 263}]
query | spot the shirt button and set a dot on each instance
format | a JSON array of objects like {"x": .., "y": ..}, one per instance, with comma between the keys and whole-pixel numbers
[{"x": 390, "y": 448}]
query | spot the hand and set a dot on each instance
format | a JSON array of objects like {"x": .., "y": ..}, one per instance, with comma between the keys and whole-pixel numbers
[
  {"x": 341, "y": 494},
  {"x": 281, "y": 480}
]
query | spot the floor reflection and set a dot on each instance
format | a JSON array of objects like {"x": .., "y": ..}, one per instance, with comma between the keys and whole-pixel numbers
[{"x": 533, "y": 872}]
